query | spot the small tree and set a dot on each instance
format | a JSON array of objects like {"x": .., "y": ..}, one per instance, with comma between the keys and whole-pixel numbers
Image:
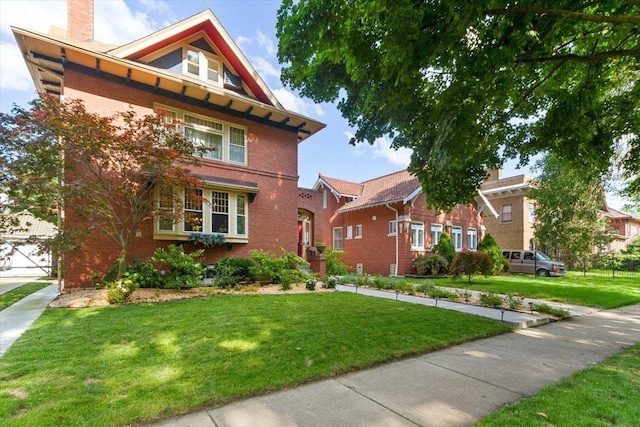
[
  {"x": 489, "y": 246},
  {"x": 445, "y": 247},
  {"x": 57, "y": 154},
  {"x": 470, "y": 263}
]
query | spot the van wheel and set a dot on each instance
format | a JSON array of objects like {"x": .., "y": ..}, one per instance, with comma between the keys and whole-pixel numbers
[{"x": 542, "y": 273}]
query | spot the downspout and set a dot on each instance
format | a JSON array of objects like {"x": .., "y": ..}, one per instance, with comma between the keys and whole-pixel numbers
[{"x": 395, "y": 272}]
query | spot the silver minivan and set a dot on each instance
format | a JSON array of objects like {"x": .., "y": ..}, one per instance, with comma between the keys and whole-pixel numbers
[{"x": 533, "y": 262}]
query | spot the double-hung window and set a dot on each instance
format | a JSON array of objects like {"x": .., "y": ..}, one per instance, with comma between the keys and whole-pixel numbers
[
  {"x": 506, "y": 213},
  {"x": 456, "y": 236},
  {"x": 349, "y": 232},
  {"x": 436, "y": 231},
  {"x": 166, "y": 212},
  {"x": 417, "y": 235},
  {"x": 472, "y": 239},
  {"x": 201, "y": 65},
  {"x": 219, "y": 212},
  {"x": 213, "y": 139},
  {"x": 338, "y": 242},
  {"x": 393, "y": 228},
  {"x": 358, "y": 231},
  {"x": 193, "y": 210}
]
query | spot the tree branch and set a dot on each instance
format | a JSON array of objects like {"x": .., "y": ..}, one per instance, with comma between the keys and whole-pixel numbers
[
  {"x": 579, "y": 58},
  {"x": 579, "y": 16}
]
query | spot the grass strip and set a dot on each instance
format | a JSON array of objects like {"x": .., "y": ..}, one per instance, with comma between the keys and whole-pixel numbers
[
  {"x": 11, "y": 297},
  {"x": 599, "y": 396},
  {"x": 127, "y": 364}
]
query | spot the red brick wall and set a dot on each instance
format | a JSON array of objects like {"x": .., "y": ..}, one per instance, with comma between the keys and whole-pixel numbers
[{"x": 272, "y": 164}]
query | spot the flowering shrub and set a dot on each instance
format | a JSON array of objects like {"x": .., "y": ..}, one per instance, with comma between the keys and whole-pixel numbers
[{"x": 120, "y": 291}]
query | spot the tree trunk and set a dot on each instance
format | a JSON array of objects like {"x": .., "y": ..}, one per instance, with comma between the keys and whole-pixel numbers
[{"x": 122, "y": 262}]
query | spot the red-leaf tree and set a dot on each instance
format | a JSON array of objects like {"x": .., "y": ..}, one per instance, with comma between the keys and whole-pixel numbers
[{"x": 104, "y": 168}]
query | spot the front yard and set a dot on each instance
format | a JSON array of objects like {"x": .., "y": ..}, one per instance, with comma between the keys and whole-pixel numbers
[{"x": 124, "y": 364}]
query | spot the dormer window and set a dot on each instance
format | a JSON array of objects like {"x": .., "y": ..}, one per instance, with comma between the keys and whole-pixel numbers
[{"x": 202, "y": 65}]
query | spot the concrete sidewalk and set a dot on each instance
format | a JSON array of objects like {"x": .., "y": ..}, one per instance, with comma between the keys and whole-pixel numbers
[
  {"x": 452, "y": 387},
  {"x": 14, "y": 320}
]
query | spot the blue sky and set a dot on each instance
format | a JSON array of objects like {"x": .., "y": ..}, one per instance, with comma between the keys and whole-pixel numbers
[{"x": 251, "y": 23}]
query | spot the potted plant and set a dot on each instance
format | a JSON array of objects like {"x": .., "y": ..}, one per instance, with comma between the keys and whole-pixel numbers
[{"x": 320, "y": 246}]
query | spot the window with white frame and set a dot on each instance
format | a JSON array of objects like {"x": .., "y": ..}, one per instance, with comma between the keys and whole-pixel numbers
[
  {"x": 204, "y": 210},
  {"x": 349, "y": 232},
  {"x": 505, "y": 216},
  {"x": 393, "y": 228},
  {"x": 338, "y": 243},
  {"x": 358, "y": 231},
  {"x": 436, "y": 232},
  {"x": 202, "y": 65},
  {"x": 472, "y": 239},
  {"x": 193, "y": 210},
  {"x": 417, "y": 235},
  {"x": 456, "y": 237},
  {"x": 213, "y": 139}
]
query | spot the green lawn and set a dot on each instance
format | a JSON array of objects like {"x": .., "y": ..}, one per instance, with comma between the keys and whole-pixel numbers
[
  {"x": 124, "y": 364},
  {"x": 592, "y": 291},
  {"x": 15, "y": 295},
  {"x": 599, "y": 396}
]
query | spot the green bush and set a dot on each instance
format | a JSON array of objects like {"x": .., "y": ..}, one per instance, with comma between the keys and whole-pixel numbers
[
  {"x": 331, "y": 282},
  {"x": 334, "y": 265},
  {"x": 489, "y": 246},
  {"x": 270, "y": 268},
  {"x": 430, "y": 265},
  {"x": 310, "y": 284},
  {"x": 120, "y": 291},
  {"x": 229, "y": 271},
  {"x": 490, "y": 299},
  {"x": 145, "y": 275},
  {"x": 445, "y": 248},
  {"x": 469, "y": 263},
  {"x": 185, "y": 271}
]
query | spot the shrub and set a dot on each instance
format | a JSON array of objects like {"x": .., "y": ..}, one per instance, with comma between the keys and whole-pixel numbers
[
  {"x": 489, "y": 246},
  {"x": 331, "y": 282},
  {"x": 120, "y": 291},
  {"x": 185, "y": 271},
  {"x": 229, "y": 271},
  {"x": 445, "y": 247},
  {"x": 145, "y": 275},
  {"x": 490, "y": 299},
  {"x": 431, "y": 265},
  {"x": 310, "y": 284},
  {"x": 284, "y": 270},
  {"x": 334, "y": 266},
  {"x": 469, "y": 263},
  {"x": 207, "y": 239}
]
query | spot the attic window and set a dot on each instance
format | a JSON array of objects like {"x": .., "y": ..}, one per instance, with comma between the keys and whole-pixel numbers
[{"x": 202, "y": 65}]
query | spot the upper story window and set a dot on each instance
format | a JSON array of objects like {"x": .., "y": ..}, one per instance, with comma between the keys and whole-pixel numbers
[
  {"x": 506, "y": 213},
  {"x": 338, "y": 241},
  {"x": 359, "y": 231},
  {"x": 349, "y": 232},
  {"x": 214, "y": 139},
  {"x": 201, "y": 64}
]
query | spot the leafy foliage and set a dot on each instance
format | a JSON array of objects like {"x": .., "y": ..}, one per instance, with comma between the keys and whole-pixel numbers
[
  {"x": 230, "y": 271},
  {"x": 207, "y": 240},
  {"x": 109, "y": 165},
  {"x": 568, "y": 209},
  {"x": 469, "y": 263},
  {"x": 284, "y": 269},
  {"x": 493, "y": 80},
  {"x": 185, "y": 271},
  {"x": 489, "y": 246},
  {"x": 431, "y": 265},
  {"x": 334, "y": 265},
  {"x": 445, "y": 247}
]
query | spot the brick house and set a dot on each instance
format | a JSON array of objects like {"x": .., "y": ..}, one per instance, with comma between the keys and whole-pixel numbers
[
  {"x": 194, "y": 72},
  {"x": 382, "y": 225},
  {"x": 514, "y": 227}
]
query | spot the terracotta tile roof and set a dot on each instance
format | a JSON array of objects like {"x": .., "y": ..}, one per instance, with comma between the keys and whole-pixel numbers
[
  {"x": 342, "y": 187},
  {"x": 616, "y": 214},
  {"x": 390, "y": 188}
]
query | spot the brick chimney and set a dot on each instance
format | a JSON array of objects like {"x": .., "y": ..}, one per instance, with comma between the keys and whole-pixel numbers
[
  {"x": 80, "y": 20},
  {"x": 494, "y": 174}
]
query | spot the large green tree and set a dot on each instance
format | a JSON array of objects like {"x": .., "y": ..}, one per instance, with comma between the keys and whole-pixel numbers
[
  {"x": 56, "y": 155},
  {"x": 469, "y": 85},
  {"x": 569, "y": 202}
]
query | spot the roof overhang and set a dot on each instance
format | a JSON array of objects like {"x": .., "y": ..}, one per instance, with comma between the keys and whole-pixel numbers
[
  {"x": 483, "y": 202},
  {"x": 47, "y": 57}
]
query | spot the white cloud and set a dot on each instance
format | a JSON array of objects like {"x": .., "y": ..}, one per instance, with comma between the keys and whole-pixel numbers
[
  {"x": 381, "y": 148},
  {"x": 116, "y": 23},
  {"x": 292, "y": 102},
  {"x": 265, "y": 68},
  {"x": 266, "y": 43}
]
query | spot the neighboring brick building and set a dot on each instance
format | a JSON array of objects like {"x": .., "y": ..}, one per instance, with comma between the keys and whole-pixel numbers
[
  {"x": 513, "y": 228},
  {"x": 195, "y": 73},
  {"x": 382, "y": 225},
  {"x": 626, "y": 225}
]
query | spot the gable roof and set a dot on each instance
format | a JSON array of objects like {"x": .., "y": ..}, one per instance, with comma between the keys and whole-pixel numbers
[
  {"x": 48, "y": 55},
  {"x": 339, "y": 187}
]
